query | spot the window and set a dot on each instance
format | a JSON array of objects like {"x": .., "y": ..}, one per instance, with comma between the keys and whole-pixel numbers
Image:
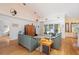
[{"x": 52, "y": 28}]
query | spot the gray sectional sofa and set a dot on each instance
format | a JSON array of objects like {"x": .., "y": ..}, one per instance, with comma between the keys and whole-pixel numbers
[
  {"x": 57, "y": 41},
  {"x": 27, "y": 41},
  {"x": 31, "y": 44}
]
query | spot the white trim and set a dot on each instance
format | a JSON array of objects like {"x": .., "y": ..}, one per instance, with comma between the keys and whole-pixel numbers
[{"x": 16, "y": 17}]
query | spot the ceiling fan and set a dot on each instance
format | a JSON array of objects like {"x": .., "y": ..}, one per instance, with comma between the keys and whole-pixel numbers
[{"x": 13, "y": 12}]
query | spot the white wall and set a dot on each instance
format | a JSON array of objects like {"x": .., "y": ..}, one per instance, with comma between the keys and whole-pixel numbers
[
  {"x": 8, "y": 20},
  {"x": 39, "y": 25}
]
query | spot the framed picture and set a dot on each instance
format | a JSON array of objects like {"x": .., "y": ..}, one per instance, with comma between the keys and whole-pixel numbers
[{"x": 66, "y": 27}]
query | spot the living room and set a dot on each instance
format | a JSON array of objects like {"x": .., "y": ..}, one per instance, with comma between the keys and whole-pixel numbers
[{"x": 37, "y": 29}]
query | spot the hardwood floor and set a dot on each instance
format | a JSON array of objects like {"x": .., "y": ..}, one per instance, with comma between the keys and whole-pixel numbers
[{"x": 67, "y": 48}]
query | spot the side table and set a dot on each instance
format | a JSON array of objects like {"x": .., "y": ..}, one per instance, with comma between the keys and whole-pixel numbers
[{"x": 46, "y": 45}]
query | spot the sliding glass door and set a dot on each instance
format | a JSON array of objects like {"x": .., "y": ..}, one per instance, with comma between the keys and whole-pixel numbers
[{"x": 52, "y": 28}]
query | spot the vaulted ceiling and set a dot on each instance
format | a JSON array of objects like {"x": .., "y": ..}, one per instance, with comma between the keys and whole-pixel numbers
[
  {"x": 46, "y": 9},
  {"x": 41, "y": 10},
  {"x": 23, "y": 11}
]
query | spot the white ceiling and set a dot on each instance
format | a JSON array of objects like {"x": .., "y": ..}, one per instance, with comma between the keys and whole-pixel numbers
[
  {"x": 46, "y": 9},
  {"x": 25, "y": 12},
  {"x": 43, "y": 9}
]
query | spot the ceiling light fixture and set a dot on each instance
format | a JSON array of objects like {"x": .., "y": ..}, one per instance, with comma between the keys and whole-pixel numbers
[
  {"x": 24, "y": 4},
  {"x": 36, "y": 20},
  {"x": 35, "y": 12}
]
